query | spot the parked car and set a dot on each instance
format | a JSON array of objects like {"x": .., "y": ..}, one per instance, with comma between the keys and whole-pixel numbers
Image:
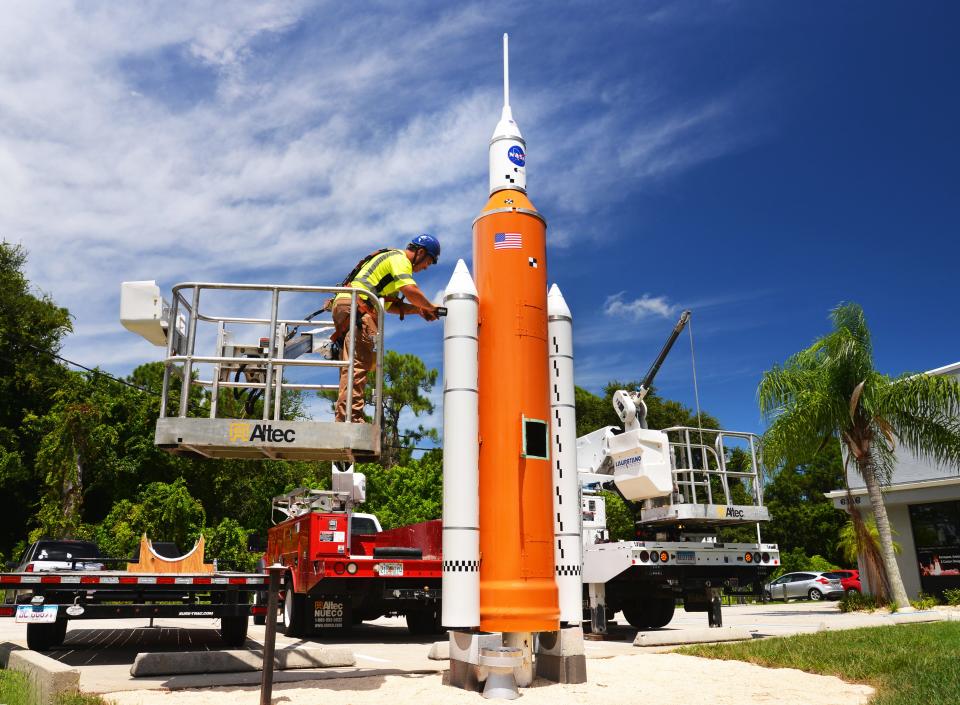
[
  {"x": 47, "y": 555},
  {"x": 809, "y": 584},
  {"x": 60, "y": 554},
  {"x": 849, "y": 579}
]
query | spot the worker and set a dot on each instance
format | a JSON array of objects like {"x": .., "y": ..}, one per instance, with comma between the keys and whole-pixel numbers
[{"x": 387, "y": 274}]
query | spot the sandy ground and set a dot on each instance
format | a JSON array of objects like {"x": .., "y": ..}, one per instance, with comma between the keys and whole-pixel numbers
[{"x": 662, "y": 679}]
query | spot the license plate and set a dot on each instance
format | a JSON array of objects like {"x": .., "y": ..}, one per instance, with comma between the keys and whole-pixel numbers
[
  {"x": 28, "y": 614},
  {"x": 687, "y": 557},
  {"x": 390, "y": 569}
]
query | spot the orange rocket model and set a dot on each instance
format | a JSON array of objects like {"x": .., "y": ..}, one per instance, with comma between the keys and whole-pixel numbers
[{"x": 518, "y": 592}]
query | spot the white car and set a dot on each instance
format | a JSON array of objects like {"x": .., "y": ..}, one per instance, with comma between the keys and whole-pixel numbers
[
  {"x": 60, "y": 554},
  {"x": 805, "y": 584}
]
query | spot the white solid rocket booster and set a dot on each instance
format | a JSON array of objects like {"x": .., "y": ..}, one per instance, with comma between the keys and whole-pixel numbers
[
  {"x": 461, "y": 492},
  {"x": 566, "y": 486}
]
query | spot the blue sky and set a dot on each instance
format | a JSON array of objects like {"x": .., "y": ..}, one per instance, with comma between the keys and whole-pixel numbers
[{"x": 756, "y": 162}]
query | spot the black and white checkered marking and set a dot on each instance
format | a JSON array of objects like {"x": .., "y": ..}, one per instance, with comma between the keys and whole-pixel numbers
[
  {"x": 568, "y": 570},
  {"x": 532, "y": 261},
  {"x": 461, "y": 566}
]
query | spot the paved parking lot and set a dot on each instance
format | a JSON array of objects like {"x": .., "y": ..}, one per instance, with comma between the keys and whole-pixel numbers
[{"x": 103, "y": 650}]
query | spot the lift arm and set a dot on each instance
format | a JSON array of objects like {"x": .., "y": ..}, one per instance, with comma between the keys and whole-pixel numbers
[{"x": 629, "y": 405}]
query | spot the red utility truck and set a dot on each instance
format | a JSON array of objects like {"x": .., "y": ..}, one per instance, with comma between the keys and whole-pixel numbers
[{"x": 341, "y": 569}]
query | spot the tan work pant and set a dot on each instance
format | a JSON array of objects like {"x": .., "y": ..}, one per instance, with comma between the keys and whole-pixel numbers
[{"x": 364, "y": 360}]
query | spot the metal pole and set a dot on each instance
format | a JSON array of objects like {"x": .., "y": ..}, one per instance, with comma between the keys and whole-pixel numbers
[
  {"x": 270, "y": 637},
  {"x": 274, "y": 302},
  {"x": 171, "y": 332},
  {"x": 215, "y": 394},
  {"x": 757, "y": 479},
  {"x": 348, "y": 418},
  {"x": 188, "y": 363},
  {"x": 279, "y": 393},
  {"x": 378, "y": 408}
]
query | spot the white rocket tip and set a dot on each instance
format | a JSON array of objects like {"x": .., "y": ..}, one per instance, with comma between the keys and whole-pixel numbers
[
  {"x": 556, "y": 304},
  {"x": 460, "y": 281},
  {"x": 506, "y": 71}
]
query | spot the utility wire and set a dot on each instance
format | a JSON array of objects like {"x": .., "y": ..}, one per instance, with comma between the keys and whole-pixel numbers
[{"x": 152, "y": 392}]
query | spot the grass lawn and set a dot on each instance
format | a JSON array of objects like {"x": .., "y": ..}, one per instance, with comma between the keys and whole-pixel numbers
[
  {"x": 15, "y": 690},
  {"x": 908, "y": 664}
]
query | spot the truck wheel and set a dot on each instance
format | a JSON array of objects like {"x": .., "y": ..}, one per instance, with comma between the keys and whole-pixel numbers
[
  {"x": 260, "y": 599},
  {"x": 636, "y": 616},
  {"x": 293, "y": 611},
  {"x": 424, "y": 622},
  {"x": 233, "y": 630},
  {"x": 43, "y": 637},
  {"x": 662, "y": 612},
  {"x": 654, "y": 613}
]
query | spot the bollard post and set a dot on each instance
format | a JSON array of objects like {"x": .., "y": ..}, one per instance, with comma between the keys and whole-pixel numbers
[{"x": 270, "y": 637}]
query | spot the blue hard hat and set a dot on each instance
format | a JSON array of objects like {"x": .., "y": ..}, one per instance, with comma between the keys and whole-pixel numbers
[{"x": 429, "y": 243}]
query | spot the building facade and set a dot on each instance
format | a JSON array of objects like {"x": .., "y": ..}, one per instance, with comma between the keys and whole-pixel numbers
[{"x": 923, "y": 504}]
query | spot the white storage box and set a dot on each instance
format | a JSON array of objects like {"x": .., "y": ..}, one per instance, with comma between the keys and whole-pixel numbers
[{"x": 141, "y": 311}]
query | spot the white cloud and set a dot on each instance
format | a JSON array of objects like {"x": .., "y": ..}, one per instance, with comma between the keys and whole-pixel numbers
[
  {"x": 638, "y": 309},
  {"x": 252, "y": 141}
]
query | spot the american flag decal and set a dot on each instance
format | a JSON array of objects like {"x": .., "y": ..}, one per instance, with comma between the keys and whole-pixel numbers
[{"x": 507, "y": 241}]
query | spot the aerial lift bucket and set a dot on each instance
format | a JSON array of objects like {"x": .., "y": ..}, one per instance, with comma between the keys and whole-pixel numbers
[{"x": 203, "y": 351}]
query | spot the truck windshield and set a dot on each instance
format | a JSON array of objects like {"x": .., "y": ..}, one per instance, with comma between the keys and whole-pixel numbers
[{"x": 362, "y": 525}]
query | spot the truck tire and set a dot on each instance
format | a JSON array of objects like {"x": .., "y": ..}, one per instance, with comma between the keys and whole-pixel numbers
[
  {"x": 653, "y": 613},
  {"x": 294, "y": 611},
  {"x": 260, "y": 600},
  {"x": 43, "y": 637},
  {"x": 233, "y": 630},
  {"x": 424, "y": 622}
]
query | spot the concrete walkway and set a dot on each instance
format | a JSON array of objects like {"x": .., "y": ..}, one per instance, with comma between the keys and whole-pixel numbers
[{"x": 104, "y": 650}]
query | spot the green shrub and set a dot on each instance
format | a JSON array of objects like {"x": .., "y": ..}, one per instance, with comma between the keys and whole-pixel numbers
[
  {"x": 796, "y": 560},
  {"x": 855, "y": 601},
  {"x": 924, "y": 602},
  {"x": 952, "y": 597},
  {"x": 227, "y": 542}
]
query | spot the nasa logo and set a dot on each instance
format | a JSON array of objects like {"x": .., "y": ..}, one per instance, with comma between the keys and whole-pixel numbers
[{"x": 516, "y": 155}]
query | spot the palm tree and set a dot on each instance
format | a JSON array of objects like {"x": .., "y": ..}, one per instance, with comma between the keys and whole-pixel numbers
[{"x": 832, "y": 389}]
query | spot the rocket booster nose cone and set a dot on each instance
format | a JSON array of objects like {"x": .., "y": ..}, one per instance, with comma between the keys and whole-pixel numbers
[
  {"x": 556, "y": 304},
  {"x": 461, "y": 283},
  {"x": 507, "y": 128}
]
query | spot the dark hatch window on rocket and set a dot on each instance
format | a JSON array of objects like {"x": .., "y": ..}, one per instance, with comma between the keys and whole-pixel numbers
[{"x": 535, "y": 434}]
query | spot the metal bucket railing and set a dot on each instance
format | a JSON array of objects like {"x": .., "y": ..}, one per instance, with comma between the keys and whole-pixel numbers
[
  {"x": 181, "y": 348},
  {"x": 694, "y": 463}
]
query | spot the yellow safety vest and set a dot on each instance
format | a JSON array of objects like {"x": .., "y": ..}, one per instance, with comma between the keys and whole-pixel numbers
[{"x": 384, "y": 275}]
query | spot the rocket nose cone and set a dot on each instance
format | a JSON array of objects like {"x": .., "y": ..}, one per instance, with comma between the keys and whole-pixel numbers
[
  {"x": 460, "y": 281},
  {"x": 556, "y": 304}
]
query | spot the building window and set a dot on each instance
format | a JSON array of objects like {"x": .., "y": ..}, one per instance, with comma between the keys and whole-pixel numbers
[{"x": 936, "y": 534}]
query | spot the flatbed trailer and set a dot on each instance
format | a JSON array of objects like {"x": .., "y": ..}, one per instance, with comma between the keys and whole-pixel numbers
[{"x": 47, "y": 601}]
